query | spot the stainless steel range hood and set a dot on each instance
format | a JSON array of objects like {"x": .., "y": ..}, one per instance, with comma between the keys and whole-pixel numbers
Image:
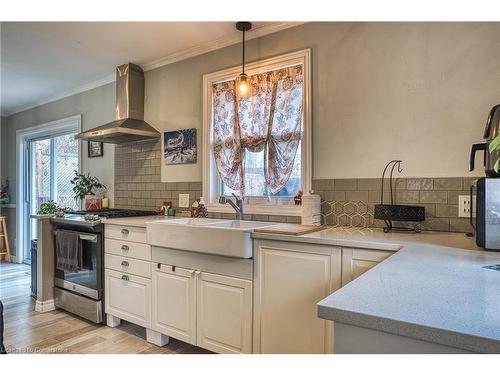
[{"x": 129, "y": 125}]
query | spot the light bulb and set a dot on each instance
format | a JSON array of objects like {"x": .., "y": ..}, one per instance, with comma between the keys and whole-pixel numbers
[{"x": 243, "y": 85}]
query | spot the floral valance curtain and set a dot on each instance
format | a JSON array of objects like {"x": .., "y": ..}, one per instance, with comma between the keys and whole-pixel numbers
[{"x": 269, "y": 119}]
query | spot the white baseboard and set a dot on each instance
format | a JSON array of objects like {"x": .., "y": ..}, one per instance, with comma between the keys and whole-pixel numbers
[{"x": 45, "y": 306}]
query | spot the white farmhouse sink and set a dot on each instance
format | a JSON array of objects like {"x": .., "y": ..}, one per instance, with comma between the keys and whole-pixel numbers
[{"x": 220, "y": 237}]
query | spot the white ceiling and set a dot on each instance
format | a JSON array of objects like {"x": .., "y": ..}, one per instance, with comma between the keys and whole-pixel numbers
[{"x": 45, "y": 61}]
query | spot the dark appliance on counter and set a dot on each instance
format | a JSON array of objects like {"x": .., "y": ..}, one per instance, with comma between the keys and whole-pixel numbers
[
  {"x": 82, "y": 292},
  {"x": 491, "y": 131},
  {"x": 487, "y": 189},
  {"x": 396, "y": 212}
]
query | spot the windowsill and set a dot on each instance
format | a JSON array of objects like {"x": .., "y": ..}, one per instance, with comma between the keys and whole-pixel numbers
[{"x": 259, "y": 209}]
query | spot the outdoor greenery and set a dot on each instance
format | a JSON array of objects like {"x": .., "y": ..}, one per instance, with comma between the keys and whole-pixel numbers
[{"x": 86, "y": 185}]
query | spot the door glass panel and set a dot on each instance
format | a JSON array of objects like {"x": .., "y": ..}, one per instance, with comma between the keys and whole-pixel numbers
[
  {"x": 66, "y": 147},
  {"x": 40, "y": 173},
  {"x": 41, "y": 165}
]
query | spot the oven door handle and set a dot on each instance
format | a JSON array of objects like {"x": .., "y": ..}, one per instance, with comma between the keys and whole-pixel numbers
[{"x": 88, "y": 237}]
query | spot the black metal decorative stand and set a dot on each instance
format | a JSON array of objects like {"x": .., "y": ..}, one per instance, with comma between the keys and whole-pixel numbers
[{"x": 394, "y": 212}]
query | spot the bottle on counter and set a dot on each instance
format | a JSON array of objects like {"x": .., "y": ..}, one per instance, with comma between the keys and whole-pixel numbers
[{"x": 201, "y": 210}]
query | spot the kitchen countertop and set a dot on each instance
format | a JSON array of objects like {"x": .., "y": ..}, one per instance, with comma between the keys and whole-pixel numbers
[
  {"x": 140, "y": 221},
  {"x": 376, "y": 239},
  {"x": 427, "y": 292}
]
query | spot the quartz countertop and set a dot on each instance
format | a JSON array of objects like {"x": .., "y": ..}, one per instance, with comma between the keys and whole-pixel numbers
[
  {"x": 139, "y": 221},
  {"x": 376, "y": 239},
  {"x": 427, "y": 292}
]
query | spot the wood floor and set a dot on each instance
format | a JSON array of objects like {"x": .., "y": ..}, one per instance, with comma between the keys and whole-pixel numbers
[{"x": 27, "y": 331}]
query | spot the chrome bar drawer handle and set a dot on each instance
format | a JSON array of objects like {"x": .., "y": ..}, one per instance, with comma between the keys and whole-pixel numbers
[
  {"x": 125, "y": 263},
  {"x": 125, "y": 277},
  {"x": 125, "y": 231},
  {"x": 125, "y": 248}
]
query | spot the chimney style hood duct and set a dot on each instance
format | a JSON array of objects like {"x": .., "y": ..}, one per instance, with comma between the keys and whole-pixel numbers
[{"x": 129, "y": 125}]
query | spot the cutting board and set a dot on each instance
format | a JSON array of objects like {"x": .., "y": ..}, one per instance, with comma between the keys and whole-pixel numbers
[{"x": 290, "y": 229}]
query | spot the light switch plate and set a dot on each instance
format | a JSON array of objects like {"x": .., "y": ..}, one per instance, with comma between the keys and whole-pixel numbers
[{"x": 184, "y": 200}]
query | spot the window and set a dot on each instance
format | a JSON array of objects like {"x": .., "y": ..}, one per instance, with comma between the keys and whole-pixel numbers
[{"x": 259, "y": 196}]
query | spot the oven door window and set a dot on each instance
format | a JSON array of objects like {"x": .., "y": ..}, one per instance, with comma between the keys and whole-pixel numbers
[{"x": 89, "y": 276}]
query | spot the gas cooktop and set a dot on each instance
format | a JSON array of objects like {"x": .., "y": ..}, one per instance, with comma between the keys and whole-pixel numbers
[{"x": 111, "y": 213}]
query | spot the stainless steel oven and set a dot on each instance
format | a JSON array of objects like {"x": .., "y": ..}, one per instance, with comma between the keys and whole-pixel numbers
[{"x": 82, "y": 292}]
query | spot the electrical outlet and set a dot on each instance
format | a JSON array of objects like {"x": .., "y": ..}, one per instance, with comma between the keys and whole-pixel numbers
[
  {"x": 184, "y": 200},
  {"x": 464, "y": 205}
]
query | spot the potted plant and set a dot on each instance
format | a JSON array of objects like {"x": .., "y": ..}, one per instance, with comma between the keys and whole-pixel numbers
[
  {"x": 50, "y": 208},
  {"x": 85, "y": 187}
]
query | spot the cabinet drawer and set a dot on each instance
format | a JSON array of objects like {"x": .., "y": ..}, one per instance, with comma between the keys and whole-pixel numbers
[
  {"x": 128, "y": 265},
  {"x": 129, "y": 249},
  {"x": 124, "y": 232},
  {"x": 128, "y": 297}
]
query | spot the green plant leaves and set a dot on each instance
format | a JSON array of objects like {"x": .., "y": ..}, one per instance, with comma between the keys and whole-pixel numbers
[
  {"x": 85, "y": 185},
  {"x": 47, "y": 208}
]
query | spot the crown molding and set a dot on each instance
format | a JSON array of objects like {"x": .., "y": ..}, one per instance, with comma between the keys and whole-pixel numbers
[{"x": 216, "y": 44}]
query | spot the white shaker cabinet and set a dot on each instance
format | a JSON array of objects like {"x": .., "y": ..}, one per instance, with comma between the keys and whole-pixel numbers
[
  {"x": 204, "y": 309},
  {"x": 128, "y": 297},
  {"x": 355, "y": 262},
  {"x": 224, "y": 313},
  {"x": 174, "y": 302},
  {"x": 290, "y": 279}
]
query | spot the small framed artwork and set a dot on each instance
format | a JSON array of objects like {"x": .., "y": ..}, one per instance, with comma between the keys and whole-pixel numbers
[
  {"x": 179, "y": 147},
  {"x": 96, "y": 149}
]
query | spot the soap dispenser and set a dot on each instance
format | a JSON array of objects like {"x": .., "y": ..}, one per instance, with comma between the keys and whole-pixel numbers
[{"x": 201, "y": 210}]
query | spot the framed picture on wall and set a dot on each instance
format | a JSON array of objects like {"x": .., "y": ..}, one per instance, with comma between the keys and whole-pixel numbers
[
  {"x": 179, "y": 147},
  {"x": 96, "y": 149}
]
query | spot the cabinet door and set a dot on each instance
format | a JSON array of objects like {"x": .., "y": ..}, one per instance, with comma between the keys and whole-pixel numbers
[
  {"x": 356, "y": 262},
  {"x": 174, "y": 302},
  {"x": 128, "y": 297},
  {"x": 289, "y": 283},
  {"x": 224, "y": 313}
]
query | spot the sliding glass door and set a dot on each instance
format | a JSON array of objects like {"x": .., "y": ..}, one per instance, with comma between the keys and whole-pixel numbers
[{"x": 50, "y": 165}]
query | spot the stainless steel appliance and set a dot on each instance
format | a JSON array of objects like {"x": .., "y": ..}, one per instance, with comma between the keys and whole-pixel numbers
[
  {"x": 491, "y": 131},
  {"x": 487, "y": 210},
  {"x": 487, "y": 189},
  {"x": 129, "y": 125},
  {"x": 82, "y": 292}
]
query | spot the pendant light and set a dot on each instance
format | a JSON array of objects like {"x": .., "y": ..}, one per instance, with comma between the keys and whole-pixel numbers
[{"x": 243, "y": 87}]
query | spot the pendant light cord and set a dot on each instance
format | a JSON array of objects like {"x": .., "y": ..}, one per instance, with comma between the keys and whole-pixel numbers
[{"x": 243, "y": 51}]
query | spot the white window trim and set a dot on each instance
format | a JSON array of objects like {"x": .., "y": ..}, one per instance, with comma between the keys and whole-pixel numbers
[{"x": 209, "y": 173}]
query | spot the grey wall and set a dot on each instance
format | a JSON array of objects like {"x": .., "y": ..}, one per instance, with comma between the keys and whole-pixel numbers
[
  {"x": 96, "y": 107},
  {"x": 416, "y": 91}
]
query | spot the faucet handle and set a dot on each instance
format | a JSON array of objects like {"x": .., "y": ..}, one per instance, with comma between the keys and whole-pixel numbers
[{"x": 222, "y": 200}]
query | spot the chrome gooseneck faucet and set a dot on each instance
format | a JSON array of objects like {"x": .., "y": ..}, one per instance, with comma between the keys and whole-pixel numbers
[{"x": 238, "y": 206}]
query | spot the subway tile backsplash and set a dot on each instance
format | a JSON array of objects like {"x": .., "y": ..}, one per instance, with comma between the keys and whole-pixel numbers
[
  {"x": 438, "y": 195},
  {"x": 138, "y": 185},
  {"x": 138, "y": 179}
]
